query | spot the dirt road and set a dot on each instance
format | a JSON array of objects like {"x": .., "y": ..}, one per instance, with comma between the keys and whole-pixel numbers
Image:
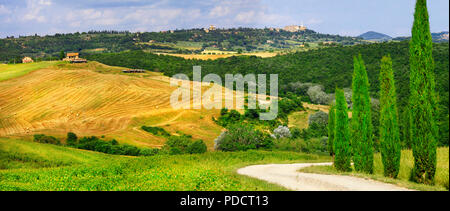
[{"x": 287, "y": 175}]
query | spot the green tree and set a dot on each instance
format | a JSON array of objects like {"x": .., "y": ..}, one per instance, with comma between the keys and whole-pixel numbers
[
  {"x": 423, "y": 99},
  {"x": 342, "y": 150},
  {"x": 71, "y": 139},
  {"x": 362, "y": 129},
  {"x": 331, "y": 125},
  {"x": 389, "y": 126},
  {"x": 62, "y": 55}
]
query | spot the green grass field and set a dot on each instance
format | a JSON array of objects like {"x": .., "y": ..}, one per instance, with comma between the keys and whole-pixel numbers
[
  {"x": 16, "y": 70},
  {"x": 407, "y": 162},
  {"x": 32, "y": 166}
]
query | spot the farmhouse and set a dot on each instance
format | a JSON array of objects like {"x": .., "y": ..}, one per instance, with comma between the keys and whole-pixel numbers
[
  {"x": 27, "y": 60},
  {"x": 74, "y": 58}
]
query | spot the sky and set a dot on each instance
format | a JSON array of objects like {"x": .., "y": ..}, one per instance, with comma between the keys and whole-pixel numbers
[{"x": 344, "y": 17}]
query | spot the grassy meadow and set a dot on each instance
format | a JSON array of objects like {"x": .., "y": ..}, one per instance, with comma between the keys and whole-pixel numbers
[
  {"x": 407, "y": 163},
  {"x": 16, "y": 70},
  {"x": 32, "y": 166}
]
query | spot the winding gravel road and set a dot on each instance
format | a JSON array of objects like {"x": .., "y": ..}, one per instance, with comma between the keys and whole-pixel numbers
[{"x": 287, "y": 175}]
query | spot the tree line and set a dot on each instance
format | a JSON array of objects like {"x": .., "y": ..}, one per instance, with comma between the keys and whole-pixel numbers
[
  {"x": 330, "y": 67},
  {"x": 353, "y": 142}
]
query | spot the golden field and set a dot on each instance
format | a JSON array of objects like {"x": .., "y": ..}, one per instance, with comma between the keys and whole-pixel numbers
[{"x": 95, "y": 99}]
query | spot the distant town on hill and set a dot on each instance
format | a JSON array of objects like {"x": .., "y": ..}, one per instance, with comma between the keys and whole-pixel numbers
[{"x": 209, "y": 40}]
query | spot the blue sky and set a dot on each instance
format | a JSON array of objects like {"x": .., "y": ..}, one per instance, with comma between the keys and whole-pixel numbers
[{"x": 344, "y": 17}]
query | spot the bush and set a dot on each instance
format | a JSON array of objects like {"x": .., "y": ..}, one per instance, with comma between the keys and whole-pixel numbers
[
  {"x": 156, "y": 131},
  {"x": 242, "y": 137},
  {"x": 177, "y": 145},
  {"x": 197, "y": 147},
  {"x": 318, "y": 96},
  {"x": 71, "y": 139},
  {"x": 113, "y": 147},
  {"x": 319, "y": 117},
  {"x": 282, "y": 132},
  {"x": 296, "y": 133},
  {"x": 148, "y": 151},
  {"x": 40, "y": 138}
]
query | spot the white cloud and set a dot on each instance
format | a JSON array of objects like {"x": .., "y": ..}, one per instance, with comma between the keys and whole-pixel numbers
[
  {"x": 220, "y": 11},
  {"x": 45, "y": 2},
  {"x": 4, "y": 10},
  {"x": 314, "y": 21},
  {"x": 33, "y": 11}
]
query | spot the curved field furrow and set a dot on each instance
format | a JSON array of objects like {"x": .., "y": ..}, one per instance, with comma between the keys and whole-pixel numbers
[{"x": 57, "y": 100}]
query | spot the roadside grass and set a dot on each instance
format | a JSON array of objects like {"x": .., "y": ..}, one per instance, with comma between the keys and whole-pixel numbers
[
  {"x": 35, "y": 167},
  {"x": 407, "y": 162},
  {"x": 16, "y": 70},
  {"x": 17, "y": 154}
]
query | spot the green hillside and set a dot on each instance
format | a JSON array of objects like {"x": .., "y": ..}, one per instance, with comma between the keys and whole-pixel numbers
[
  {"x": 177, "y": 41},
  {"x": 33, "y": 166},
  {"x": 17, "y": 70}
]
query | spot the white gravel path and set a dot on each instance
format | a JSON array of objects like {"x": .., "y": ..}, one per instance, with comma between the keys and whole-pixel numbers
[{"x": 287, "y": 175}]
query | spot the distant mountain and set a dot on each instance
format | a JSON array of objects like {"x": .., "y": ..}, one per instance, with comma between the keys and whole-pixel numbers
[
  {"x": 437, "y": 37},
  {"x": 440, "y": 37},
  {"x": 375, "y": 36}
]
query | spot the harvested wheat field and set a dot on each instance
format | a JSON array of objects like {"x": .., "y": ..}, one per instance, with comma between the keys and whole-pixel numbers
[{"x": 95, "y": 99}]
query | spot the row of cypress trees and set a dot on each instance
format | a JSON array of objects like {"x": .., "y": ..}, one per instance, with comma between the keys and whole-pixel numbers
[{"x": 357, "y": 144}]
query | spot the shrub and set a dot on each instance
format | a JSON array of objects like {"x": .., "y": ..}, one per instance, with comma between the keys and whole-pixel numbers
[
  {"x": 219, "y": 140},
  {"x": 242, "y": 137},
  {"x": 282, "y": 132},
  {"x": 177, "y": 145},
  {"x": 156, "y": 131},
  {"x": 318, "y": 96},
  {"x": 319, "y": 117},
  {"x": 148, "y": 151},
  {"x": 296, "y": 133},
  {"x": 71, "y": 139},
  {"x": 40, "y": 138},
  {"x": 197, "y": 147}
]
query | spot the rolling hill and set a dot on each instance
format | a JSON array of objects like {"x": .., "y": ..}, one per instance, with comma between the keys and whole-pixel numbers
[
  {"x": 95, "y": 99},
  {"x": 185, "y": 41},
  {"x": 439, "y": 37},
  {"x": 375, "y": 36}
]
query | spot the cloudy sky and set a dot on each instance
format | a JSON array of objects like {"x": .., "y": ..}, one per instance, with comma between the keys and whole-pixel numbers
[{"x": 345, "y": 17}]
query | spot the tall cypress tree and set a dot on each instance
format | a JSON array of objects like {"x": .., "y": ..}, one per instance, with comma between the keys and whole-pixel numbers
[
  {"x": 423, "y": 100},
  {"x": 362, "y": 129},
  {"x": 342, "y": 150},
  {"x": 331, "y": 127},
  {"x": 389, "y": 126}
]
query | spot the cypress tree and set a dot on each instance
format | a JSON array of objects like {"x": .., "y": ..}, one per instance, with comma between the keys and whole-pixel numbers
[
  {"x": 342, "y": 150},
  {"x": 389, "y": 126},
  {"x": 423, "y": 98},
  {"x": 331, "y": 126},
  {"x": 362, "y": 129}
]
